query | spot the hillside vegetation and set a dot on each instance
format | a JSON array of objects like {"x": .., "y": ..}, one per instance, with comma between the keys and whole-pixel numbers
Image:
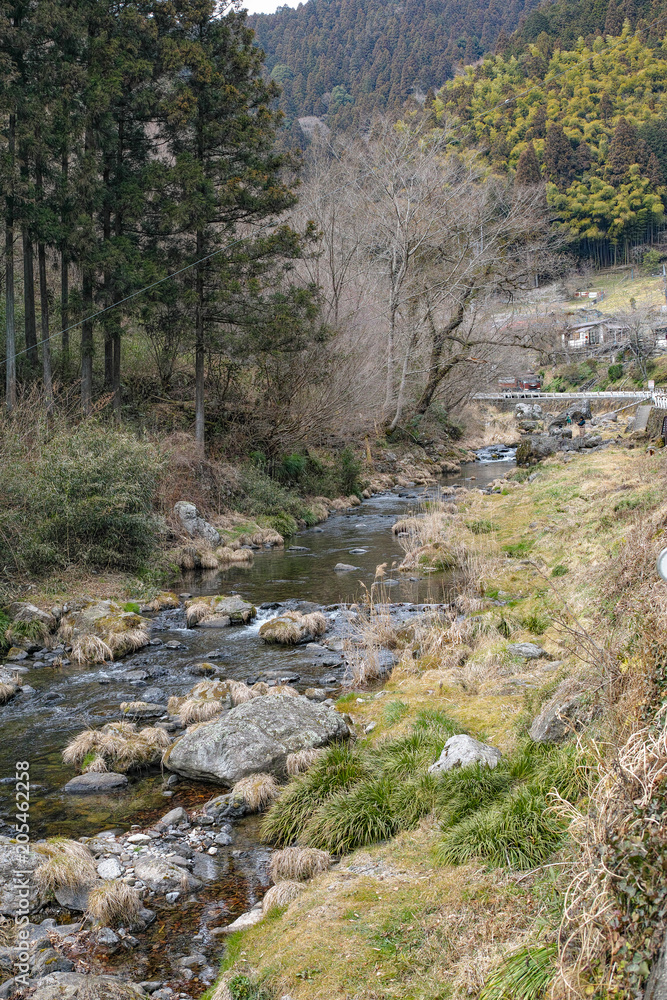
[
  {"x": 591, "y": 122},
  {"x": 352, "y": 57}
]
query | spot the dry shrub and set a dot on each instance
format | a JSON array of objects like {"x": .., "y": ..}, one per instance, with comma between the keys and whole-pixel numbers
[
  {"x": 281, "y": 894},
  {"x": 239, "y": 693},
  {"x": 114, "y": 904},
  {"x": 90, "y": 649},
  {"x": 618, "y": 813},
  {"x": 194, "y": 710},
  {"x": 257, "y": 791},
  {"x": 302, "y": 760},
  {"x": 67, "y": 865},
  {"x": 298, "y": 863}
]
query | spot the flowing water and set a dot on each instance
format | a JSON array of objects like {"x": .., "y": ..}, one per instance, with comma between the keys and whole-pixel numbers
[{"x": 68, "y": 699}]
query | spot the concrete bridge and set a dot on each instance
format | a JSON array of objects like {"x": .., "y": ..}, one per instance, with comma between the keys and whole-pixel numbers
[{"x": 649, "y": 396}]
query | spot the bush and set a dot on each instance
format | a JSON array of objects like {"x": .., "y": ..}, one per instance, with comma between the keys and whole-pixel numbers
[
  {"x": 87, "y": 496},
  {"x": 615, "y": 372},
  {"x": 559, "y": 570},
  {"x": 523, "y": 975}
]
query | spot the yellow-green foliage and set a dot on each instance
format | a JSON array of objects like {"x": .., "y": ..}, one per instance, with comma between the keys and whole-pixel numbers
[{"x": 632, "y": 75}]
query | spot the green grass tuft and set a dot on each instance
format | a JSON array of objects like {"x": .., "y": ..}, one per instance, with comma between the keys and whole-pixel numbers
[
  {"x": 559, "y": 570},
  {"x": 482, "y": 527},
  {"x": 518, "y": 830},
  {"x": 394, "y": 711},
  {"x": 364, "y": 815},
  {"x": 523, "y": 975}
]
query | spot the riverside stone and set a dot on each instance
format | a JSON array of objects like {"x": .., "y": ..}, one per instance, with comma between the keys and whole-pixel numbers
[
  {"x": 194, "y": 524},
  {"x": 253, "y": 737},
  {"x": 526, "y": 650},
  {"x": 561, "y": 715},
  {"x": 462, "y": 751},
  {"x": 161, "y": 875},
  {"x": 76, "y": 986},
  {"x": 91, "y": 783},
  {"x": 12, "y": 860},
  {"x": 109, "y": 868}
]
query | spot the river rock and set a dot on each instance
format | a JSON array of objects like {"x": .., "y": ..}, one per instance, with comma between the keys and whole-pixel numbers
[
  {"x": 528, "y": 411},
  {"x": 75, "y": 898},
  {"x": 109, "y": 868},
  {"x": 253, "y": 737},
  {"x": 243, "y": 922},
  {"x": 160, "y": 875},
  {"x": 562, "y": 714},
  {"x": 526, "y": 650},
  {"x": 194, "y": 524},
  {"x": 91, "y": 783},
  {"x": 462, "y": 751},
  {"x": 13, "y": 860},
  {"x": 172, "y": 818},
  {"x": 344, "y": 568},
  {"x": 535, "y": 447},
  {"x": 76, "y": 986},
  {"x": 23, "y": 611},
  {"x": 221, "y": 606},
  {"x": 142, "y": 709}
]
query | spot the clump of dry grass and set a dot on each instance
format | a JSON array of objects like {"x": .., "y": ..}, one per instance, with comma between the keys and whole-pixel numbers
[
  {"x": 239, "y": 693},
  {"x": 67, "y": 865},
  {"x": 284, "y": 689},
  {"x": 164, "y": 600},
  {"x": 128, "y": 641},
  {"x": 261, "y": 537},
  {"x": 302, "y": 760},
  {"x": 98, "y": 765},
  {"x": 257, "y": 791},
  {"x": 281, "y": 895},
  {"x": 196, "y": 710},
  {"x": 120, "y": 745},
  {"x": 190, "y": 557},
  {"x": 90, "y": 649},
  {"x": 7, "y": 690},
  {"x": 236, "y": 556},
  {"x": 114, "y": 904},
  {"x": 293, "y": 627},
  {"x": 259, "y": 689},
  {"x": 298, "y": 864},
  {"x": 210, "y": 689},
  {"x": 197, "y": 612}
]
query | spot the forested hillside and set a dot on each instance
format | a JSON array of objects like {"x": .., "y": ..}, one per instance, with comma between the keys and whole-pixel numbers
[
  {"x": 565, "y": 21},
  {"x": 348, "y": 58},
  {"x": 591, "y": 122}
]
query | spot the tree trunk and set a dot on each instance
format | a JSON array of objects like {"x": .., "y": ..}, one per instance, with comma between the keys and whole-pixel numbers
[
  {"x": 400, "y": 399},
  {"x": 116, "y": 374},
  {"x": 87, "y": 344},
  {"x": 44, "y": 302},
  {"x": 437, "y": 371},
  {"x": 29, "y": 299},
  {"x": 46, "y": 343},
  {"x": 199, "y": 348},
  {"x": 10, "y": 330},
  {"x": 107, "y": 320},
  {"x": 64, "y": 265}
]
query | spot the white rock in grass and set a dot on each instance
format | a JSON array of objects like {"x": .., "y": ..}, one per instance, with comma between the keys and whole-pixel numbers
[
  {"x": 462, "y": 751},
  {"x": 526, "y": 650}
]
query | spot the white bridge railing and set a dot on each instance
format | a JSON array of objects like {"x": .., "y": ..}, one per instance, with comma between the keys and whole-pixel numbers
[{"x": 520, "y": 394}]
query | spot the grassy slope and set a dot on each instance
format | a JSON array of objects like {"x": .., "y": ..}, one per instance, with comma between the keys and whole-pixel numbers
[{"x": 390, "y": 922}]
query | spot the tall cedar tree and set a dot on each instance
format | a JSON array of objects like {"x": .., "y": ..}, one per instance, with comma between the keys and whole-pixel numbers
[
  {"x": 528, "y": 168},
  {"x": 559, "y": 158},
  {"x": 623, "y": 152},
  {"x": 226, "y": 178}
]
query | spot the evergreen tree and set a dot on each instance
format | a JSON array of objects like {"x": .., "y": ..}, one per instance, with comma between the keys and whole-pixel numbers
[
  {"x": 528, "y": 167},
  {"x": 623, "y": 151},
  {"x": 559, "y": 159}
]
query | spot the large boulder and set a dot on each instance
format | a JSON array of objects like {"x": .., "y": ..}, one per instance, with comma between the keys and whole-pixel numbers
[
  {"x": 14, "y": 889},
  {"x": 462, "y": 751},
  {"x": 255, "y": 737},
  {"x": 526, "y": 650},
  {"x": 23, "y": 611},
  {"x": 194, "y": 524},
  {"x": 534, "y": 448},
  {"x": 76, "y": 986},
  {"x": 562, "y": 715},
  {"x": 96, "y": 783},
  {"x": 528, "y": 411},
  {"x": 103, "y": 630},
  {"x": 580, "y": 409},
  {"x": 292, "y": 628}
]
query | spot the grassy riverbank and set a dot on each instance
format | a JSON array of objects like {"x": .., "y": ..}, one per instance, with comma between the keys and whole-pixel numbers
[{"x": 565, "y": 562}]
